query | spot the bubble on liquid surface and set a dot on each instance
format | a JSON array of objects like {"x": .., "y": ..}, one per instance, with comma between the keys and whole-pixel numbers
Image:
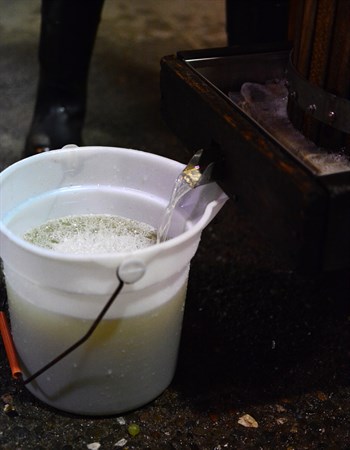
[{"x": 92, "y": 234}]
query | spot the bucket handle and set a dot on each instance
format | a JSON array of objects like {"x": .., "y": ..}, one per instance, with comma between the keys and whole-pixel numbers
[{"x": 128, "y": 272}]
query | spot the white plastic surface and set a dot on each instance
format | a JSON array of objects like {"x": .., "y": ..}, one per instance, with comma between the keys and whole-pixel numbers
[
  {"x": 131, "y": 270},
  {"x": 54, "y": 296}
]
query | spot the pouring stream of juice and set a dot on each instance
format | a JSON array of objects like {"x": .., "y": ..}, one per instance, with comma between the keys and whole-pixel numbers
[{"x": 189, "y": 178}]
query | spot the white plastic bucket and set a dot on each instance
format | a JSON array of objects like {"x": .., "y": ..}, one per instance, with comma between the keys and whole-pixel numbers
[{"x": 53, "y": 298}]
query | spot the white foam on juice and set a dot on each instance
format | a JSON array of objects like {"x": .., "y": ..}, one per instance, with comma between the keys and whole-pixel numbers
[{"x": 92, "y": 234}]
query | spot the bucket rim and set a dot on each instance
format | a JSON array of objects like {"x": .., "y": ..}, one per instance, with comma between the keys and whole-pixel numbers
[
  {"x": 89, "y": 148},
  {"x": 105, "y": 256}
]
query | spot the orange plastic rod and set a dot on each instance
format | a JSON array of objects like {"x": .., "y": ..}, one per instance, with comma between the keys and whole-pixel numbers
[{"x": 9, "y": 346}]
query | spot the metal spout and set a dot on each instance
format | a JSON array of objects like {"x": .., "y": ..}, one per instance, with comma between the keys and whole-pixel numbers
[{"x": 194, "y": 174}]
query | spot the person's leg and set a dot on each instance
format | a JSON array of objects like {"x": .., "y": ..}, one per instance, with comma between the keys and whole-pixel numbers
[{"x": 68, "y": 31}]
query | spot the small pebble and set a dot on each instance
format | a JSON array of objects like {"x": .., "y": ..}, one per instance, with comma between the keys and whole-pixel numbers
[
  {"x": 248, "y": 421},
  {"x": 281, "y": 420},
  {"x": 121, "y": 420},
  {"x": 121, "y": 443},
  {"x": 94, "y": 446},
  {"x": 10, "y": 410},
  {"x": 133, "y": 429},
  {"x": 7, "y": 398}
]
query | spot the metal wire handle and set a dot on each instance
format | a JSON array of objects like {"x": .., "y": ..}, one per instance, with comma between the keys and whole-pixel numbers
[
  {"x": 82, "y": 339},
  {"x": 129, "y": 271}
]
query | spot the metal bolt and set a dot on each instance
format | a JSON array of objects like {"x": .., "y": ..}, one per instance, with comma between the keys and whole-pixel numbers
[
  {"x": 332, "y": 116},
  {"x": 311, "y": 108},
  {"x": 293, "y": 95}
]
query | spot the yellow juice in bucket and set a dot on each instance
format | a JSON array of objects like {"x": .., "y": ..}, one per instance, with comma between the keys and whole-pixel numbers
[{"x": 54, "y": 296}]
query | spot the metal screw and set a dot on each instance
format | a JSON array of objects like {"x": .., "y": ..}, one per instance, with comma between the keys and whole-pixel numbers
[
  {"x": 332, "y": 116},
  {"x": 311, "y": 108}
]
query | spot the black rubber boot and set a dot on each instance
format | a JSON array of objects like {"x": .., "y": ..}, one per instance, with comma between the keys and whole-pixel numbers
[{"x": 68, "y": 31}]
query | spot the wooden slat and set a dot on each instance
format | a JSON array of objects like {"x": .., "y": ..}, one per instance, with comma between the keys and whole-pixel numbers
[
  {"x": 338, "y": 73},
  {"x": 321, "y": 46},
  {"x": 321, "y": 54},
  {"x": 306, "y": 36}
]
